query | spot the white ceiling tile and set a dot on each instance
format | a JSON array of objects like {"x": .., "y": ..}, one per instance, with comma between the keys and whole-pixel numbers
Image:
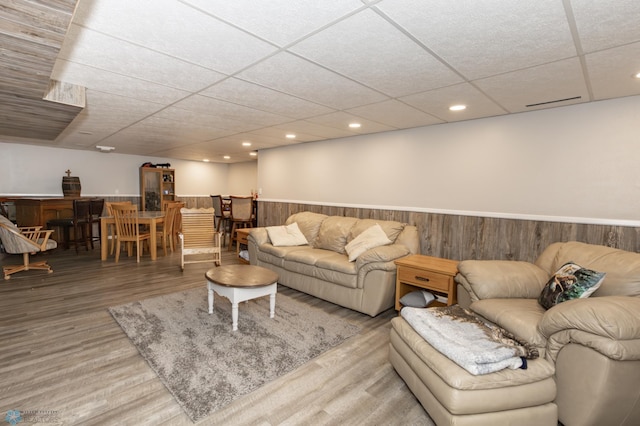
[
  {"x": 279, "y": 21},
  {"x": 396, "y": 114},
  {"x": 254, "y": 96},
  {"x": 176, "y": 29},
  {"x": 274, "y": 133},
  {"x": 233, "y": 143},
  {"x": 604, "y": 24},
  {"x": 203, "y": 119},
  {"x": 611, "y": 71},
  {"x": 117, "y": 84},
  {"x": 437, "y": 103},
  {"x": 226, "y": 110},
  {"x": 121, "y": 57},
  {"x": 550, "y": 82},
  {"x": 370, "y": 50},
  {"x": 287, "y": 73},
  {"x": 341, "y": 120},
  {"x": 486, "y": 37},
  {"x": 313, "y": 130}
]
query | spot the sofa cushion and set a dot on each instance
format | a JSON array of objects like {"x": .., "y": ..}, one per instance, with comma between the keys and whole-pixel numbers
[
  {"x": 289, "y": 235},
  {"x": 390, "y": 227},
  {"x": 325, "y": 265},
  {"x": 370, "y": 238},
  {"x": 571, "y": 281},
  {"x": 333, "y": 233},
  {"x": 308, "y": 222},
  {"x": 518, "y": 316},
  {"x": 276, "y": 255}
]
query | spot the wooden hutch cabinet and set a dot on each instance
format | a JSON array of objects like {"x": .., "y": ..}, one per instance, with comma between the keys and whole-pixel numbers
[{"x": 157, "y": 185}]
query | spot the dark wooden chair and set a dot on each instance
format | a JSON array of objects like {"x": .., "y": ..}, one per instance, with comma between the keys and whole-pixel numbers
[
  {"x": 79, "y": 222},
  {"x": 241, "y": 216}
]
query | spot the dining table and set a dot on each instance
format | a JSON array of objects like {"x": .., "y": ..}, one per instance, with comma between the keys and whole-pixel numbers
[{"x": 149, "y": 218}]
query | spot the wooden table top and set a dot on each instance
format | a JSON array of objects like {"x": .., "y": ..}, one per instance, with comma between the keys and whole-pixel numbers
[{"x": 241, "y": 276}]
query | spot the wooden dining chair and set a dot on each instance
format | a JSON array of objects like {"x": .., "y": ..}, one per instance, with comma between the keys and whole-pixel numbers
[
  {"x": 170, "y": 227},
  {"x": 128, "y": 230},
  {"x": 111, "y": 229},
  {"x": 241, "y": 216}
]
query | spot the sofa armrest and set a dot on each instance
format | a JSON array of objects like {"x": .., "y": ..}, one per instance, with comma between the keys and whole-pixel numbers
[
  {"x": 258, "y": 236},
  {"x": 501, "y": 279},
  {"x": 609, "y": 325},
  {"x": 382, "y": 254}
]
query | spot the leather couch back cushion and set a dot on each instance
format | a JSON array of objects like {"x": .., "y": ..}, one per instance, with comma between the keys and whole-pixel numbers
[
  {"x": 309, "y": 224},
  {"x": 622, "y": 267},
  {"x": 334, "y": 232},
  {"x": 390, "y": 227}
]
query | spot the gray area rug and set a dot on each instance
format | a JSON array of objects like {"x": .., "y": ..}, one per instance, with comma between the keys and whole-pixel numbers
[{"x": 204, "y": 364}]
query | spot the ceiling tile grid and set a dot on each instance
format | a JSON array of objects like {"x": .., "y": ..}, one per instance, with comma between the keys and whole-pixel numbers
[{"x": 193, "y": 79}]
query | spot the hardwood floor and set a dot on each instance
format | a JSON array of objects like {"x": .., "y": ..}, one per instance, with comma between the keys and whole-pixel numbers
[{"x": 61, "y": 351}]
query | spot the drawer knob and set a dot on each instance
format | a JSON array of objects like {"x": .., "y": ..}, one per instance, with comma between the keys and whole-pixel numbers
[{"x": 422, "y": 278}]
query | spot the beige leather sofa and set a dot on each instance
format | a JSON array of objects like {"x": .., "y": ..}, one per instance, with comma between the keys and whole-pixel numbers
[
  {"x": 322, "y": 268},
  {"x": 590, "y": 348}
]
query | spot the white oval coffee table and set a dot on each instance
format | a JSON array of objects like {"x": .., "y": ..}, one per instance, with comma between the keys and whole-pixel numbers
[{"x": 239, "y": 283}]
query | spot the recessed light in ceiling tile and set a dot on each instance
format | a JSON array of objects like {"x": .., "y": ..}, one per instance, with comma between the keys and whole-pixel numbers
[
  {"x": 246, "y": 143},
  {"x": 290, "y": 136},
  {"x": 227, "y": 157},
  {"x": 206, "y": 160},
  {"x": 355, "y": 125},
  {"x": 637, "y": 75},
  {"x": 253, "y": 153},
  {"x": 457, "y": 107}
]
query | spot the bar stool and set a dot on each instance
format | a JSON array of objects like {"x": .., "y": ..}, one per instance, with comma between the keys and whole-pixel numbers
[
  {"x": 241, "y": 215},
  {"x": 79, "y": 222}
]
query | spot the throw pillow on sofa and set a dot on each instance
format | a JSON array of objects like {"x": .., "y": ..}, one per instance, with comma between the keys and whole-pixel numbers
[
  {"x": 370, "y": 238},
  {"x": 571, "y": 281},
  {"x": 290, "y": 235}
]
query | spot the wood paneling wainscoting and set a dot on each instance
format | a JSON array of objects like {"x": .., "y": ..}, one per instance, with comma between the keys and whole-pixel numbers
[{"x": 472, "y": 237}]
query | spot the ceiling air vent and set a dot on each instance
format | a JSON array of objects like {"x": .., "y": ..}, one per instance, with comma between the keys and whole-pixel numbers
[{"x": 554, "y": 102}]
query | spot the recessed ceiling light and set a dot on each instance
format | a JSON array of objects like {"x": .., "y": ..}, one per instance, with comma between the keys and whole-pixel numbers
[
  {"x": 253, "y": 153},
  {"x": 290, "y": 136},
  {"x": 227, "y": 157},
  {"x": 246, "y": 143},
  {"x": 103, "y": 148},
  {"x": 636, "y": 75},
  {"x": 355, "y": 125},
  {"x": 457, "y": 107},
  {"x": 206, "y": 160}
]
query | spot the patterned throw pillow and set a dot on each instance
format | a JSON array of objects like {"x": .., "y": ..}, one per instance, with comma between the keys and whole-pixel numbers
[{"x": 570, "y": 282}]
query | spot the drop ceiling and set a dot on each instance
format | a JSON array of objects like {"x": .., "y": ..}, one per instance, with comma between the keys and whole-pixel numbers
[{"x": 194, "y": 79}]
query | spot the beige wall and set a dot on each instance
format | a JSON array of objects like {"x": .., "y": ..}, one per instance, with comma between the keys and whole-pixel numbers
[
  {"x": 29, "y": 170},
  {"x": 569, "y": 164}
]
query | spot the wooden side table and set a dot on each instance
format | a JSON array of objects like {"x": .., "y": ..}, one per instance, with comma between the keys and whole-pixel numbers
[
  {"x": 419, "y": 272},
  {"x": 242, "y": 234}
]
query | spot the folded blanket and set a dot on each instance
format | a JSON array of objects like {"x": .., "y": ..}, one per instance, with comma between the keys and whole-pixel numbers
[{"x": 475, "y": 345}]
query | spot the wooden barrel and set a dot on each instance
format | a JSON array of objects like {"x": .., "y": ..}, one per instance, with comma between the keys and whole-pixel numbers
[{"x": 71, "y": 186}]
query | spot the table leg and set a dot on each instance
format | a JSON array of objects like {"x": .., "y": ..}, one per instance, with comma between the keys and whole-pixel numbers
[
  {"x": 104, "y": 239},
  {"x": 234, "y": 315},
  {"x": 272, "y": 305},
  {"x": 153, "y": 240},
  {"x": 210, "y": 299}
]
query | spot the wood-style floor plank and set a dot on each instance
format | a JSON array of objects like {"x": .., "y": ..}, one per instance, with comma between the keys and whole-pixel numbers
[{"x": 62, "y": 351}]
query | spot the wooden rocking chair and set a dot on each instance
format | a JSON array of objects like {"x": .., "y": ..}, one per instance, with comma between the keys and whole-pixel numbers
[
  {"x": 199, "y": 236},
  {"x": 25, "y": 241}
]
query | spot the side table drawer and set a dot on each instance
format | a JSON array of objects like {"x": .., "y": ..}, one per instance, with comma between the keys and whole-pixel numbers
[{"x": 425, "y": 279}]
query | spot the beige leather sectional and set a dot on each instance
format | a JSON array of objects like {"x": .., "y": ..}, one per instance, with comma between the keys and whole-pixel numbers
[
  {"x": 322, "y": 267},
  {"x": 589, "y": 369}
]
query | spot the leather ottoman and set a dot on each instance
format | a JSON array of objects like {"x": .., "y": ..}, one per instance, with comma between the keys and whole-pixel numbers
[{"x": 453, "y": 396}]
